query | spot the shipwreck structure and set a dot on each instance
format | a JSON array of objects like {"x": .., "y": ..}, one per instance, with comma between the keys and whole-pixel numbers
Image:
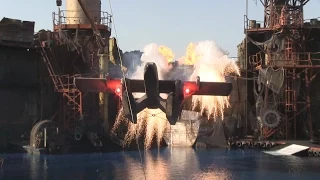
[
  {"x": 281, "y": 59},
  {"x": 79, "y": 46},
  {"x": 37, "y": 79},
  {"x": 19, "y": 80}
]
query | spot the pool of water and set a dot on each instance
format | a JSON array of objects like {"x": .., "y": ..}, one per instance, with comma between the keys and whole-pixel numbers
[{"x": 167, "y": 163}]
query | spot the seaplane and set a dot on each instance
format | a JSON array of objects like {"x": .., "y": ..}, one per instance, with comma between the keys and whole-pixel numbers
[{"x": 178, "y": 91}]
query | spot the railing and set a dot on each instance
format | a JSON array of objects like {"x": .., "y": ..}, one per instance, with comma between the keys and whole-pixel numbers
[
  {"x": 277, "y": 59},
  {"x": 62, "y": 83},
  {"x": 283, "y": 17},
  {"x": 247, "y": 24},
  {"x": 67, "y": 82},
  {"x": 312, "y": 22},
  {"x": 279, "y": 18},
  {"x": 78, "y": 17},
  {"x": 256, "y": 60}
]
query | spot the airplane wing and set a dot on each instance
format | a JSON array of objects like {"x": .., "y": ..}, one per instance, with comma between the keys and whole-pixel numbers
[
  {"x": 208, "y": 88},
  {"x": 165, "y": 86},
  {"x": 97, "y": 84}
]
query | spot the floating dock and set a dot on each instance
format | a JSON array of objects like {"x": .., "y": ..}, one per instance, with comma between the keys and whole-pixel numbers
[{"x": 279, "y": 148}]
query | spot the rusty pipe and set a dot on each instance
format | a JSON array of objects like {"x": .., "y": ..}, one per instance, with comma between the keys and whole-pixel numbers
[
  {"x": 233, "y": 144},
  {"x": 77, "y": 136},
  {"x": 256, "y": 144},
  {"x": 93, "y": 25},
  {"x": 251, "y": 144},
  {"x": 244, "y": 144},
  {"x": 262, "y": 144},
  {"x": 238, "y": 144},
  {"x": 268, "y": 145}
]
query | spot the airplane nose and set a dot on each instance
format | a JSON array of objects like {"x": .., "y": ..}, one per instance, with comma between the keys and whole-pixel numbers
[{"x": 149, "y": 64}]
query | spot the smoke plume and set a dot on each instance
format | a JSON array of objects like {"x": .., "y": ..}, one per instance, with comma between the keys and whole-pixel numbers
[{"x": 212, "y": 65}]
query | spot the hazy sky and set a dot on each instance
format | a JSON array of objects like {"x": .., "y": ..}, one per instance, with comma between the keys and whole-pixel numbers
[{"x": 173, "y": 23}]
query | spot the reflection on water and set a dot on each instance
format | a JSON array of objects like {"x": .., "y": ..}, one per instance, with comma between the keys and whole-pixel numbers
[{"x": 168, "y": 163}]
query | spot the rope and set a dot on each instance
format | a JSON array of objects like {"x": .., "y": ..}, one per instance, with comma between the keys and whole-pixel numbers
[
  {"x": 1, "y": 162},
  {"x": 125, "y": 85}
]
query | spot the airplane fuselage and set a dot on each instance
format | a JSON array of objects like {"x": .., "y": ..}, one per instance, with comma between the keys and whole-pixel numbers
[{"x": 151, "y": 84}]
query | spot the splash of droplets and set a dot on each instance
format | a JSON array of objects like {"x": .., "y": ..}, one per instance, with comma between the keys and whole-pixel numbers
[
  {"x": 136, "y": 130},
  {"x": 156, "y": 125},
  {"x": 150, "y": 122},
  {"x": 213, "y": 65}
]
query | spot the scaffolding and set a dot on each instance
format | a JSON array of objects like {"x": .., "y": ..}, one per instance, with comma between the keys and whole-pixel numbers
[
  {"x": 72, "y": 97},
  {"x": 284, "y": 19},
  {"x": 71, "y": 51}
]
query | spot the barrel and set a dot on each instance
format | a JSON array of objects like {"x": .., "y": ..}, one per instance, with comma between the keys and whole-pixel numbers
[
  {"x": 314, "y": 22},
  {"x": 59, "y": 2},
  {"x": 258, "y": 25},
  {"x": 252, "y": 24}
]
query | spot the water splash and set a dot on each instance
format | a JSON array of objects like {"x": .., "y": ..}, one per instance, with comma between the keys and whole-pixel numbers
[
  {"x": 151, "y": 122},
  {"x": 210, "y": 63}
]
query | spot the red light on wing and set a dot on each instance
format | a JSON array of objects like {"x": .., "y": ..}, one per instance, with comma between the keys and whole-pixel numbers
[
  {"x": 187, "y": 91},
  {"x": 114, "y": 85},
  {"x": 189, "y": 88},
  {"x": 118, "y": 90}
]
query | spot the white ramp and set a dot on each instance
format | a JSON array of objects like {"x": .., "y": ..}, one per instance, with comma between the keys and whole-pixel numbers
[
  {"x": 288, "y": 151},
  {"x": 186, "y": 130}
]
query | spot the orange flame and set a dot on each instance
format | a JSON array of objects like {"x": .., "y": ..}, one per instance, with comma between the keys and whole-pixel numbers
[
  {"x": 191, "y": 57},
  {"x": 167, "y": 53}
]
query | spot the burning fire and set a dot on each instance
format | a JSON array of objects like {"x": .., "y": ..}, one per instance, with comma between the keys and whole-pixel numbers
[
  {"x": 210, "y": 63},
  {"x": 191, "y": 56},
  {"x": 167, "y": 53}
]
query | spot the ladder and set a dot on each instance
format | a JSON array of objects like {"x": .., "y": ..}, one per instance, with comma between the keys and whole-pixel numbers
[
  {"x": 72, "y": 108},
  {"x": 72, "y": 97},
  {"x": 290, "y": 93},
  {"x": 47, "y": 57}
]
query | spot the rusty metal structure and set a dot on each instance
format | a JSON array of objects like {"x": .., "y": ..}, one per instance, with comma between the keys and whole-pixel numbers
[
  {"x": 19, "y": 80},
  {"x": 78, "y": 46},
  {"x": 37, "y": 78},
  {"x": 283, "y": 60}
]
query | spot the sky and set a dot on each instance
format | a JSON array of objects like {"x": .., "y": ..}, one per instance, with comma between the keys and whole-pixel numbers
[{"x": 173, "y": 23}]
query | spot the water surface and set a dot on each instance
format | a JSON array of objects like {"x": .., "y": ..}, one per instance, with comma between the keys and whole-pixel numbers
[{"x": 167, "y": 163}]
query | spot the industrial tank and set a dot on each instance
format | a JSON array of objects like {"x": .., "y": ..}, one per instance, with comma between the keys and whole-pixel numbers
[{"x": 75, "y": 15}]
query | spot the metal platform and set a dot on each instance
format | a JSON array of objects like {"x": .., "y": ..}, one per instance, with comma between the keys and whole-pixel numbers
[
  {"x": 288, "y": 150},
  {"x": 280, "y": 148},
  {"x": 297, "y": 148}
]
